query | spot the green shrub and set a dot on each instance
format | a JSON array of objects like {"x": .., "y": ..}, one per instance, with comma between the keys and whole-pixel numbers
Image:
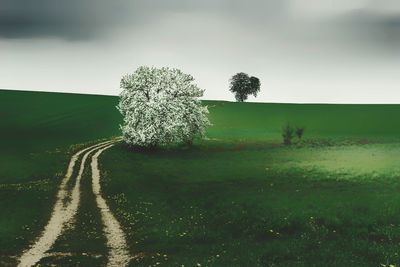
[
  {"x": 299, "y": 132},
  {"x": 287, "y": 134}
]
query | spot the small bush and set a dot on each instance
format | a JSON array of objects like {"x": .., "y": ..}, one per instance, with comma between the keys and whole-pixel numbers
[
  {"x": 299, "y": 132},
  {"x": 287, "y": 134}
]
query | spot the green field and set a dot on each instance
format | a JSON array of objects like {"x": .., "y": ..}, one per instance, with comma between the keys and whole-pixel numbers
[{"x": 236, "y": 198}]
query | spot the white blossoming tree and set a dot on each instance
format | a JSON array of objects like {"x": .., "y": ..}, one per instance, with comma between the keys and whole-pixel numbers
[{"x": 161, "y": 107}]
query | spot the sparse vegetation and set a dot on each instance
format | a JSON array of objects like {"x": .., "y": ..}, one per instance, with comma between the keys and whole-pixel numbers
[
  {"x": 287, "y": 134},
  {"x": 299, "y": 132}
]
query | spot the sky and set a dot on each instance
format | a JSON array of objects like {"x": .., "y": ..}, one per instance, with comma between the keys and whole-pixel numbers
[{"x": 303, "y": 51}]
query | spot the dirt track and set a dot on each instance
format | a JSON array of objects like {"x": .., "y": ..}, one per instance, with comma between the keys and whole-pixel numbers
[
  {"x": 116, "y": 241},
  {"x": 66, "y": 207}
]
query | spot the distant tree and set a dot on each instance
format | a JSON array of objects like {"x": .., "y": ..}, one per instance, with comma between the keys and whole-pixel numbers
[
  {"x": 242, "y": 85},
  {"x": 161, "y": 107}
]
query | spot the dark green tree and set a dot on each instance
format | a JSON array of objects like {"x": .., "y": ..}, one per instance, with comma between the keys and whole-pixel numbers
[
  {"x": 255, "y": 85},
  {"x": 242, "y": 85}
]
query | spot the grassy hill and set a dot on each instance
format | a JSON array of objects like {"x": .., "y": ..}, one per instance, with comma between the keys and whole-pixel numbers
[
  {"x": 260, "y": 121},
  {"x": 37, "y": 121},
  {"x": 238, "y": 198},
  {"x": 37, "y": 131}
]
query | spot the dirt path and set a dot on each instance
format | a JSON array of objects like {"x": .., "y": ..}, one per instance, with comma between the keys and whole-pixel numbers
[
  {"x": 116, "y": 240},
  {"x": 63, "y": 210}
]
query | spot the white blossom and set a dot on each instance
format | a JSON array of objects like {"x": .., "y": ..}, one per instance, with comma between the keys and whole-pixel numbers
[{"x": 161, "y": 107}]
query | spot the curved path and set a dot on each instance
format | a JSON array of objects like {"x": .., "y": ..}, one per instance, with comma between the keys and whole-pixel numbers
[{"x": 65, "y": 208}]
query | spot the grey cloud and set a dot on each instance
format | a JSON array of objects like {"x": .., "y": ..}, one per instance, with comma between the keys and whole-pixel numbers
[
  {"x": 87, "y": 19},
  {"x": 81, "y": 19},
  {"x": 72, "y": 19},
  {"x": 304, "y": 50},
  {"x": 16, "y": 26},
  {"x": 356, "y": 31},
  {"x": 371, "y": 27}
]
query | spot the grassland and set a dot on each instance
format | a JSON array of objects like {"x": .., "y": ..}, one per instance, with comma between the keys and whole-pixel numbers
[
  {"x": 237, "y": 198},
  {"x": 37, "y": 131}
]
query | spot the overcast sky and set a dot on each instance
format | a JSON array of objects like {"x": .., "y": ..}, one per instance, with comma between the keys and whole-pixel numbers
[{"x": 302, "y": 50}]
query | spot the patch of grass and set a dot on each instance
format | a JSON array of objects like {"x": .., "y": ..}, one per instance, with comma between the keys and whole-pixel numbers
[
  {"x": 37, "y": 131},
  {"x": 258, "y": 121},
  {"x": 241, "y": 208}
]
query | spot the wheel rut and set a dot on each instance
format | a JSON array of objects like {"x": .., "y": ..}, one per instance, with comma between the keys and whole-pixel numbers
[{"x": 66, "y": 207}]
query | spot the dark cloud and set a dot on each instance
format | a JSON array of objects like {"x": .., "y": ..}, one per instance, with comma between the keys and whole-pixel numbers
[
  {"x": 73, "y": 19},
  {"x": 370, "y": 28},
  {"x": 81, "y": 19},
  {"x": 304, "y": 50},
  {"x": 17, "y": 26},
  {"x": 88, "y": 19}
]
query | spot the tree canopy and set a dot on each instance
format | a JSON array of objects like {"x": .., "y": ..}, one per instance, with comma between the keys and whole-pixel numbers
[
  {"x": 160, "y": 106},
  {"x": 242, "y": 85}
]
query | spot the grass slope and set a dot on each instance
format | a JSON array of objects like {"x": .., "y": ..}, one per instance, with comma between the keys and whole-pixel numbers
[
  {"x": 259, "y": 121},
  {"x": 237, "y": 198},
  {"x": 247, "y": 207},
  {"x": 37, "y": 131}
]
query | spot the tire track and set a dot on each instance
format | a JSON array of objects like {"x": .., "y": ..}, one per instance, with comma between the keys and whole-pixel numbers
[
  {"x": 62, "y": 213},
  {"x": 116, "y": 240}
]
